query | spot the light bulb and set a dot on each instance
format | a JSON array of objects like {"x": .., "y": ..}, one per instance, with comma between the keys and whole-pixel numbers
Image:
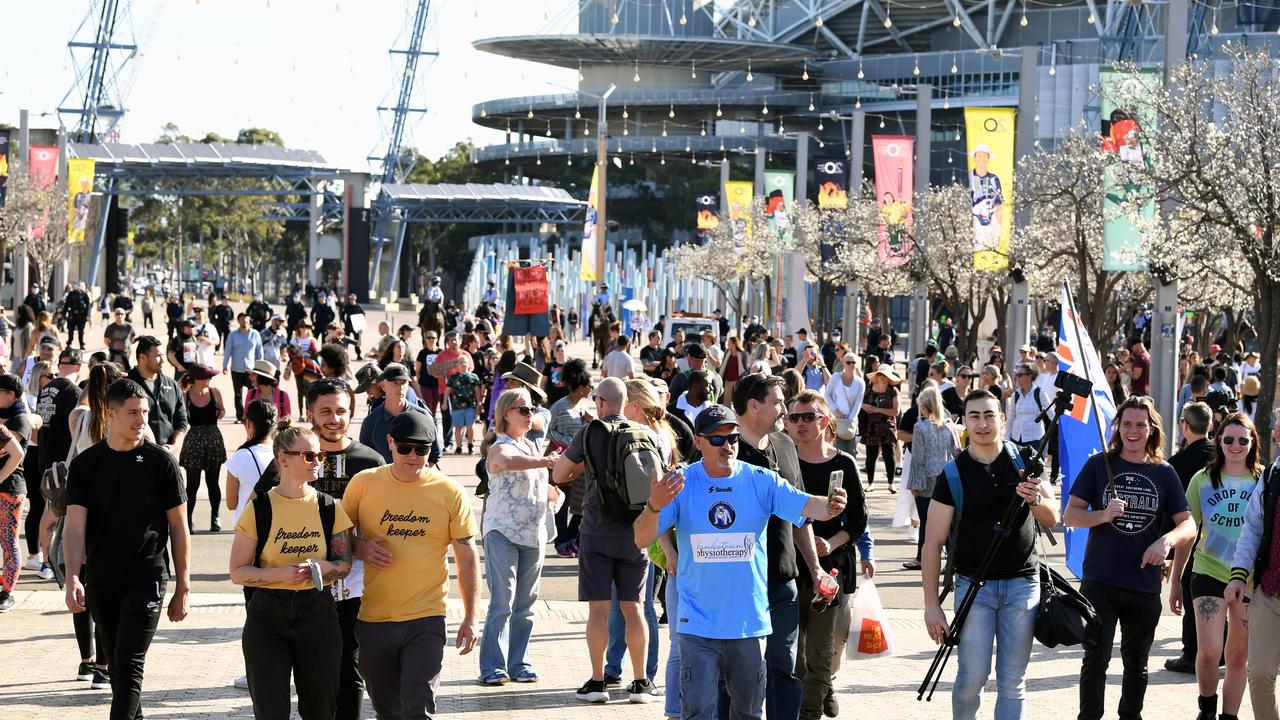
[
  {"x": 664, "y": 129},
  {"x": 765, "y": 110},
  {"x": 693, "y": 69},
  {"x": 1213, "y": 29},
  {"x": 686, "y": 146},
  {"x": 888, "y": 21},
  {"x": 672, "y": 112},
  {"x": 506, "y": 161},
  {"x": 858, "y": 104},
  {"x": 882, "y": 123},
  {"x": 530, "y": 115},
  {"x": 956, "y": 21},
  {"x": 625, "y": 130},
  {"x": 586, "y": 131},
  {"x": 1092, "y": 19},
  {"x": 484, "y": 113},
  {"x": 683, "y": 20},
  {"x": 742, "y": 129},
  {"x": 1023, "y": 21},
  {"x": 663, "y": 161},
  {"x": 957, "y": 136},
  {"x": 568, "y": 160},
  {"x": 577, "y": 114},
  {"x": 750, "y": 77},
  {"x": 818, "y": 22},
  {"x": 946, "y": 104},
  {"x": 860, "y": 74},
  {"x": 1053, "y": 70},
  {"x": 653, "y": 147},
  {"x": 703, "y": 132},
  {"x": 636, "y": 77},
  {"x": 916, "y": 70},
  {"x": 1037, "y": 117},
  {"x": 631, "y": 160},
  {"x": 805, "y": 74},
  {"x": 751, "y": 21},
  {"x": 614, "y": 20},
  {"x": 718, "y": 112},
  {"x": 820, "y": 126},
  {"x": 693, "y": 160},
  {"x": 539, "y": 161},
  {"x": 548, "y": 129},
  {"x": 625, "y": 113},
  {"x": 954, "y": 69}
]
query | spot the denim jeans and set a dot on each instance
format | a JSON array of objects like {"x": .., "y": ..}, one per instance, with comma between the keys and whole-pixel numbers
[
  {"x": 671, "y": 700},
  {"x": 618, "y": 632},
  {"x": 702, "y": 679},
  {"x": 1003, "y": 613},
  {"x": 514, "y": 573},
  {"x": 1137, "y": 614}
]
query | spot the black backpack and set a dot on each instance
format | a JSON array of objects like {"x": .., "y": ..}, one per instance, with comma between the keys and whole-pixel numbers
[
  {"x": 632, "y": 456},
  {"x": 262, "y": 522}
]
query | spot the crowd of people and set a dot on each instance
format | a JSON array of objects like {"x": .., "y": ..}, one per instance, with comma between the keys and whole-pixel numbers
[{"x": 692, "y": 481}]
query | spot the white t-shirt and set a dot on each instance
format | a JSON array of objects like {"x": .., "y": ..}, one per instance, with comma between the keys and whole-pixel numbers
[
  {"x": 618, "y": 364},
  {"x": 242, "y": 465}
]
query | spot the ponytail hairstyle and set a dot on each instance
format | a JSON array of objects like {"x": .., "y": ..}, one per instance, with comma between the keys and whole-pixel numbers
[
  {"x": 100, "y": 378},
  {"x": 261, "y": 415},
  {"x": 287, "y": 434}
]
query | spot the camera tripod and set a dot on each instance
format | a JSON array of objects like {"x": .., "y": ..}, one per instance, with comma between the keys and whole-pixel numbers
[{"x": 1012, "y": 517}]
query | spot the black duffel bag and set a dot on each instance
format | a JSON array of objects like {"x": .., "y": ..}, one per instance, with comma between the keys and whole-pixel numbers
[{"x": 1064, "y": 613}]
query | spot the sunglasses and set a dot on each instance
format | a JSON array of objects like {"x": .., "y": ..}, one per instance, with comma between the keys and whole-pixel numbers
[
  {"x": 330, "y": 382},
  {"x": 803, "y": 417},
  {"x": 1243, "y": 441},
  {"x": 524, "y": 410},
  {"x": 418, "y": 449},
  {"x": 309, "y": 456},
  {"x": 850, "y": 362},
  {"x": 720, "y": 440}
]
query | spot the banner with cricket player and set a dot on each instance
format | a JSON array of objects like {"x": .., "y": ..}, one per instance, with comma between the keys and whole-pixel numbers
[
  {"x": 587, "y": 269},
  {"x": 4, "y": 162},
  {"x": 989, "y": 140},
  {"x": 707, "y": 206},
  {"x": 895, "y": 176},
  {"x": 779, "y": 189},
  {"x": 79, "y": 195},
  {"x": 738, "y": 195},
  {"x": 1122, "y": 130},
  {"x": 831, "y": 174}
]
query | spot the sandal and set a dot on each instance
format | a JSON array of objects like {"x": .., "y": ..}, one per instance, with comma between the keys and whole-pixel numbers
[{"x": 911, "y": 565}]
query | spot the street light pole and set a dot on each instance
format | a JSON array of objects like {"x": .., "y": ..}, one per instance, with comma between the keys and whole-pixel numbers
[{"x": 602, "y": 165}]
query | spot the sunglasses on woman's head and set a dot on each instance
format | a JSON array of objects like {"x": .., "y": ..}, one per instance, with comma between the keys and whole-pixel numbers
[
  {"x": 418, "y": 449},
  {"x": 720, "y": 440},
  {"x": 309, "y": 456},
  {"x": 1243, "y": 440},
  {"x": 805, "y": 417}
]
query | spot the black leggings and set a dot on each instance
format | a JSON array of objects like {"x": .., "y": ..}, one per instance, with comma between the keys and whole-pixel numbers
[
  {"x": 889, "y": 462},
  {"x": 193, "y": 488},
  {"x": 31, "y": 526}
]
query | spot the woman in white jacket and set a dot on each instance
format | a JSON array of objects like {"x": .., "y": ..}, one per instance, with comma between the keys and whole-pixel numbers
[{"x": 844, "y": 393}]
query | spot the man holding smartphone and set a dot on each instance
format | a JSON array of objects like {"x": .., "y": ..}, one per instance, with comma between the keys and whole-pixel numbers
[{"x": 720, "y": 526}]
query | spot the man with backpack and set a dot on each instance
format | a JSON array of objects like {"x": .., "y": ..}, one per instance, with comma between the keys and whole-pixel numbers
[
  {"x": 607, "y": 555},
  {"x": 970, "y": 499},
  {"x": 1025, "y": 405}
]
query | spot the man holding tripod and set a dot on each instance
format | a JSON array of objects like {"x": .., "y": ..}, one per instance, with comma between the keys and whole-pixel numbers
[{"x": 1003, "y": 609}]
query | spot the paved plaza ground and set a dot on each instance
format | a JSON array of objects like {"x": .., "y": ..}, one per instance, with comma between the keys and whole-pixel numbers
[{"x": 191, "y": 664}]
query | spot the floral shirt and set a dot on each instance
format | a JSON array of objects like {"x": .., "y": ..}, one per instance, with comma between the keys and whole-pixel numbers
[
  {"x": 463, "y": 386},
  {"x": 517, "y": 502}
]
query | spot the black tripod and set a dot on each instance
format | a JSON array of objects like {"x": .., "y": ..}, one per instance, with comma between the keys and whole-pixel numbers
[{"x": 1013, "y": 516}]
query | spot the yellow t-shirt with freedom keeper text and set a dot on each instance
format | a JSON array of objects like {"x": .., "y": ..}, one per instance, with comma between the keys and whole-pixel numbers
[
  {"x": 419, "y": 521},
  {"x": 296, "y": 533}
]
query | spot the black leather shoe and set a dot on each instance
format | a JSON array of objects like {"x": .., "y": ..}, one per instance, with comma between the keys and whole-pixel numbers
[
  {"x": 830, "y": 707},
  {"x": 1181, "y": 664}
]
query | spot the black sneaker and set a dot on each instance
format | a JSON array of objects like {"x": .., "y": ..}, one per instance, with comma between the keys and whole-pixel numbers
[
  {"x": 6, "y": 602},
  {"x": 101, "y": 680},
  {"x": 830, "y": 707},
  {"x": 643, "y": 691},
  {"x": 611, "y": 680},
  {"x": 593, "y": 691},
  {"x": 1181, "y": 664},
  {"x": 85, "y": 671}
]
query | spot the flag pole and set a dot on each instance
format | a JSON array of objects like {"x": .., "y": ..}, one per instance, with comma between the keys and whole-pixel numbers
[{"x": 1097, "y": 415}]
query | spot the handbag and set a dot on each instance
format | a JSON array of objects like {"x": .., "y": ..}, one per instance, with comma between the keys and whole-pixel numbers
[
  {"x": 845, "y": 429},
  {"x": 1064, "y": 613}
]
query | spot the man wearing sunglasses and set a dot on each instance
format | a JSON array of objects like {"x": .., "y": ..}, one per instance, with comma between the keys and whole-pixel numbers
[
  {"x": 720, "y": 508},
  {"x": 407, "y": 517}
]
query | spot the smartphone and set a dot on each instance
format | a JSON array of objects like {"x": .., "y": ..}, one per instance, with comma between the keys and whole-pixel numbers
[{"x": 835, "y": 483}]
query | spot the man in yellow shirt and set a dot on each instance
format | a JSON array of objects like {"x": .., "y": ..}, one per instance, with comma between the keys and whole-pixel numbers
[{"x": 407, "y": 517}]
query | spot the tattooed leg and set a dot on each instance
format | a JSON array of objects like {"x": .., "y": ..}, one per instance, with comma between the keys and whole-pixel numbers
[{"x": 1208, "y": 607}]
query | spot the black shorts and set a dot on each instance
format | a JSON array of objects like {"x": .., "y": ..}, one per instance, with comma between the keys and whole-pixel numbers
[
  {"x": 606, "y": 561},
  {"x": 1207, "y": 586}
]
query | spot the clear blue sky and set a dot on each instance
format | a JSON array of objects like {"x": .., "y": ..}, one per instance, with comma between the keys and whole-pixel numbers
[{"x": 312, "y": 70}]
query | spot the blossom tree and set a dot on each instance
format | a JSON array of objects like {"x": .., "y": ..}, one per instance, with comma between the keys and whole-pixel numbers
[
  {"x": 35, "y": 215},
  {"x": 737, "y": 254}
]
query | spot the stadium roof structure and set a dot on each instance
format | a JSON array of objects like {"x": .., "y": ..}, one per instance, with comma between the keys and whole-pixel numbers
[
  {"x": 717, "y": 54},
  {"x": 479, "y": 203}
]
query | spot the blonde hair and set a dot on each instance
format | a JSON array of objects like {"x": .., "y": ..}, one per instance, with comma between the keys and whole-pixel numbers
[
  {"x": 39, "y": 369},
  {"x": 930, "y": 403},
  {"x": 289, "y": 434},
  {"x": 642, "y": 394},
  {"x": 506, "y": 401}
]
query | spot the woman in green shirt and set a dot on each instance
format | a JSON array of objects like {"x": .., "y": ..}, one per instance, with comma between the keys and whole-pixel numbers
[{"x": 1218, "y": 496}]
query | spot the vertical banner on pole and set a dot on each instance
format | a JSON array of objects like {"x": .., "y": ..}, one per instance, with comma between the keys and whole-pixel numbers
[
  {"x": 779, "y": 190},
  {"x": 79, "y": 193},
  {"x": 706, "y": 205},
  {"x": 4, "y": 161},
  {"x": 989, "y": 138},
  {"x": 738, "y": 194},
  {"x": 895, "y": 180},
  {"x": 587, "y": 270},
  {"x": 42, "y": 166},
  {"x": 1122, "y": 131},
  {"x": 831, "y": 175}
]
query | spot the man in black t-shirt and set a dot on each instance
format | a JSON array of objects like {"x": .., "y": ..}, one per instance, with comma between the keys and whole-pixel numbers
[
  {"x": 651, "y": 355},
  {"x": 125, "y": 503},
  {"x": 759, "y": 404},
  {"x": 1003, "y": 611},
  {"x": 1191, "y": 459},
  {"x": 54, "y": 404},
  {"x": 329, "y": 406}
]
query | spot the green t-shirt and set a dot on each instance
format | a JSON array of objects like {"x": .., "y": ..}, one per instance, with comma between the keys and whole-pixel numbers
[{"x": 1219, "y": 513}]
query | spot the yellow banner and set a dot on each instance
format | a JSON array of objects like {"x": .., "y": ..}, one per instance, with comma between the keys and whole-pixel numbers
[
  {"x": 587, "y": 268},
  {"x": 989, "y": 140},
  {"x": 79, "y": 193},
  {"x": 737, "y": 195}
]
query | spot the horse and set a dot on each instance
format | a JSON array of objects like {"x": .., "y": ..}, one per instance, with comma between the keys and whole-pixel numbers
[
  {"x": 431, "y": 318},
  {"x": 601, "y": 319}
]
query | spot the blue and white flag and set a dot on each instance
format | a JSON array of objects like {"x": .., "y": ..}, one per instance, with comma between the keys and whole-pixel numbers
[{"x": 1081, "y": 432}]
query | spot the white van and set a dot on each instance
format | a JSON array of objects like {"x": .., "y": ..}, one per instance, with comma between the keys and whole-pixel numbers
[{"x": 692, "y": 324}]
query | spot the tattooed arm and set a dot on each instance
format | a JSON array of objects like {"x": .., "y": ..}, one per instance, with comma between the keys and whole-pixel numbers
[
  {"x": 243, "y": 571},
  {"x": 340, "y": 551}
]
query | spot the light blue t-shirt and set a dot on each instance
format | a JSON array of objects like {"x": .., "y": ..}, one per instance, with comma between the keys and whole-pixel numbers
[{"x": 720, "y": 533}]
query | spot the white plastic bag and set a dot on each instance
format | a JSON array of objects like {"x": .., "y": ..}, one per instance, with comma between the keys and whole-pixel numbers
[
  {"x": 869, "y": 635},
  {"x": 904, "y": 509}
]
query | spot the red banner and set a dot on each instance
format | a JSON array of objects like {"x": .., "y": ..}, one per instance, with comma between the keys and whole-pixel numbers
[
  {"x": 42, "y": 164},
  {"x": 531, "y": 290},
  {"x": 894, "y": 183}
]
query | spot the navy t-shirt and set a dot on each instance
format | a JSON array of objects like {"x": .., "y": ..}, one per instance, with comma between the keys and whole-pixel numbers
[{"x": 1153, "y": 495}]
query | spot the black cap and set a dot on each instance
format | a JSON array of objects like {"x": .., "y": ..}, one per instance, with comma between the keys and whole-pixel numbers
[
  {"x": 49, "y": 340},
  {"x": 412, "y": 426},
  {"x": 70, "y": 356},
  {"x": 714, "y": 418},
  {"x": 366, "y": 377},
  {"x": 403, "y": 328},
  {"x": 802, "y": 331},
  {"x": 12, "y": 383},
  {"x": 394, "y": 372}
]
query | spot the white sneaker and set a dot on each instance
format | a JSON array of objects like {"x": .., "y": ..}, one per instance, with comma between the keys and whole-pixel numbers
[
  {"x": 241, "y": 682},
  {"x": 33, "y": 562},
  {"x": 45, "y": 572}
]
